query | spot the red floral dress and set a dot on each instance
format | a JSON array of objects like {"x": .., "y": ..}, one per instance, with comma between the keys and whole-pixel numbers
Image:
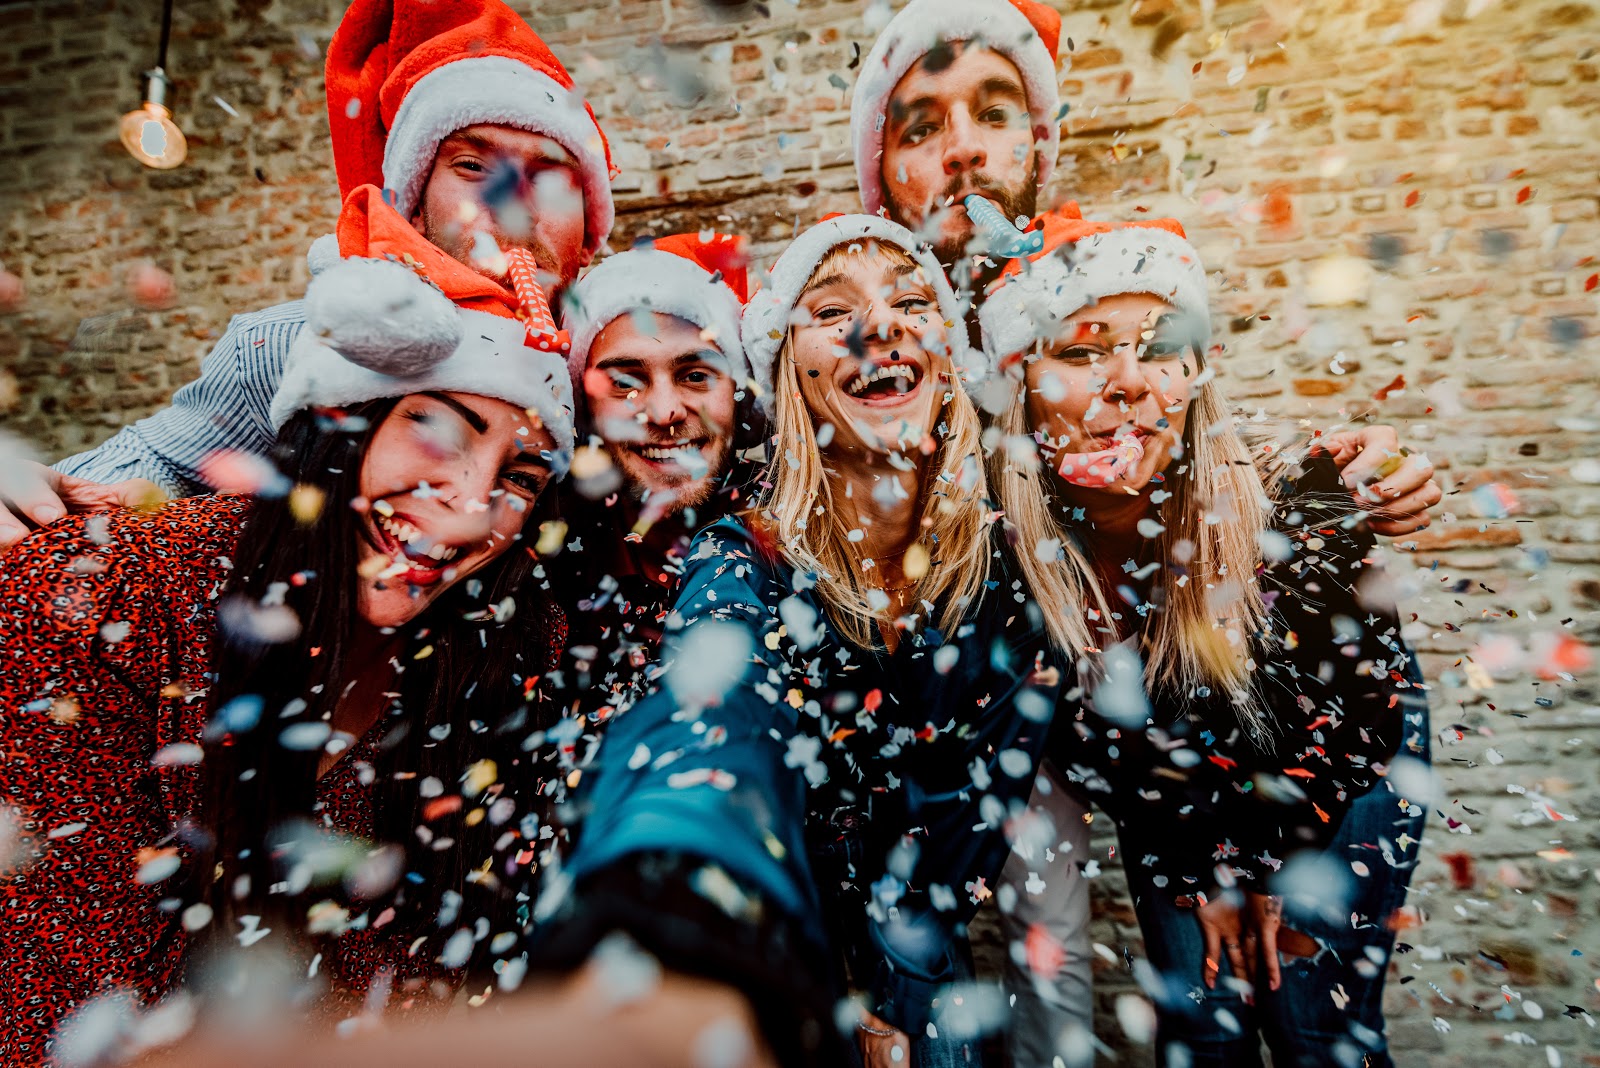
[{"x": 106, "y": 623}]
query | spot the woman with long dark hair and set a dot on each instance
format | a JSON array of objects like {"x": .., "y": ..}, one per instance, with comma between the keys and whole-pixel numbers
[
  {"x": 1234, "y": 628},
  {"x": 298, "y": 727}
]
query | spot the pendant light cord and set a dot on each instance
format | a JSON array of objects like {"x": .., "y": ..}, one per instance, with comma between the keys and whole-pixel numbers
[{"x": 166, "y": 33}]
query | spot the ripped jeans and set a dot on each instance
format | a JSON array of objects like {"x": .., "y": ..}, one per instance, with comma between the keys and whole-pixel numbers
[{"x": 1328, "y": 1013}]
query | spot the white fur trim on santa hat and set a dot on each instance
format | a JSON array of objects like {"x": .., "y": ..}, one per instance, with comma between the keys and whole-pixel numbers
[
  {"x": 492, "y": 360},
  {"x": 909, "y": 36},
  {"x": 766, "y": 317},
  {"x": 381, "y": 315},
  {"x": 644, "y": 279},
  {"x": 503, "y": 91},
  {"x": 1050, "y": 289}
]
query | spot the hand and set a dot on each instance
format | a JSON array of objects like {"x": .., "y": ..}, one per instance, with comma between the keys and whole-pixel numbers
[
  {"x": 1391, "y": 483},
  {"x": 687, "y": 1021},
  {"x": 36, "y": 494},
  {"x": 684, "y": 1022},
  {"x": 1222, "y": 929},
  {"x": 1248, "y": 935},
  {"x": 1263, "y": 924},
  {"x": 891, "y": 1050}
]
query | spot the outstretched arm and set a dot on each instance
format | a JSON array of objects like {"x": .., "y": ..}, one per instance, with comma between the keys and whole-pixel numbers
[
  {"x": 699, "y": 765},
  {"x": 691, "y": 832},
  {"x": 226, "y": 408}
]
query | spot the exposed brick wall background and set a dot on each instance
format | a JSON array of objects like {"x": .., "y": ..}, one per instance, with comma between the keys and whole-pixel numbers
[{"x": 1386, "y": 190}]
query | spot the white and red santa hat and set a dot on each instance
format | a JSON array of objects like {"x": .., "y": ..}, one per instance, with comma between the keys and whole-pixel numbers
[
  {"x": 1084, "y": 261},
  {"x": 403, "y": 75},
  {"x": 770, "y": 311},
  {"x": 699, "y": 278},
  {"x": 1024, "y": 31},
  {"x": 395, "y": 315}
]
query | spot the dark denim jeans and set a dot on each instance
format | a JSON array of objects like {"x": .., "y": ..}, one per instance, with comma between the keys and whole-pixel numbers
[
  {"x": 1328, "y": 1013},
  {"x": 945, "y": 1053}
]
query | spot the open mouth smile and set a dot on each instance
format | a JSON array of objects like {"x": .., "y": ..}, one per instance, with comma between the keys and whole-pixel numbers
[
  {"x": 684, "y": 454},
  {"x": 885, "y": 384},
  {"x": 412, "y": 555}
]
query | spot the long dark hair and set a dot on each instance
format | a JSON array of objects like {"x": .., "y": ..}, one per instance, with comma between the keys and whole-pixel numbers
[{"x": 465, "y": 696}]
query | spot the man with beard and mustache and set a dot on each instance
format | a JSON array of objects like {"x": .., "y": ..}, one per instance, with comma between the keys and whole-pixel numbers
[
  {"x": 959, "y": 97},
  {"x": 465, "y": 116},
  {"x": 657, "y": 363}
]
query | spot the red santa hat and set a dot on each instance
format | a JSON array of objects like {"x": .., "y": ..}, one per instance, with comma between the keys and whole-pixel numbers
[
  {"x": 700, "y": 278},
  {"x": 1024, "y": 31},
  {"x": 403, "y": 75},
  {"x": 767, "y": 316},
  {"x": 393, "y": 315},
  {"x": 1082, "y": 262}
]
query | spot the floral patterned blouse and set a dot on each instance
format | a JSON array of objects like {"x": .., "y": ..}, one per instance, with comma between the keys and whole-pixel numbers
[{"x": 106, "y": 624}]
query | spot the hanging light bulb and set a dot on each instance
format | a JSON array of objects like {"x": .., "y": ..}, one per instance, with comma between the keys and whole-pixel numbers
[{"x": 149, "y": 134}]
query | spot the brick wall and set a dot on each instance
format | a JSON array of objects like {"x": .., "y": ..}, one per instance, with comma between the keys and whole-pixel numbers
[{"x": 1389, "y": 190}]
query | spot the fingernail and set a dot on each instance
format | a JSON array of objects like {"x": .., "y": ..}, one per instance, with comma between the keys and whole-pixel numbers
[{"x": 48, "y": 513}]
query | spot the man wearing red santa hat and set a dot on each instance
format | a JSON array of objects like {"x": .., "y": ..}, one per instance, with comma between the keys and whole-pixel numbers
[
  {"x": 663, "y": 389},
  {"x": 957, "y": 98},
  {"x": 479, "y": 137}
]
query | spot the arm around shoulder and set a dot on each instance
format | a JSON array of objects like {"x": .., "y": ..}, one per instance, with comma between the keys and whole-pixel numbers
[{"x": 225, "y": 408}]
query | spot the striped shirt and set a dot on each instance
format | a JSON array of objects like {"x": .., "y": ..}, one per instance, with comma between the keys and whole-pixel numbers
[{"x": 225, "y": 408}]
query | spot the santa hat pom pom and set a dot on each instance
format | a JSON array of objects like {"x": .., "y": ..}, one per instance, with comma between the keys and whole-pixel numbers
[
  {"x": 380, "y": 315},
  {"x": 323, "y": 253}
]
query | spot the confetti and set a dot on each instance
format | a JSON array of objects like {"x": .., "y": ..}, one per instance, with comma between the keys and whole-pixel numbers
[
  {"x": 151, "y": 288},
  {"x": 13, "y": 294},
  {"x": 231, "y": 471},
  {"x": 1494, "y": 500},
  {"x": 1397, "y": 385},
  {"x": 1137, "y": 1018},
  {"x": 1338, "y": 295}
]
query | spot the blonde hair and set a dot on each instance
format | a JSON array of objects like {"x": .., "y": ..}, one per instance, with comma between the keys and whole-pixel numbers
[
  {"x": 811, "y": 522},
  {"x": 1203, "y": 633}
]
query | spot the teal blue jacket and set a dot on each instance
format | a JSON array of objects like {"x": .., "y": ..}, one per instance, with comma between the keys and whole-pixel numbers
[{"x": 860, "y": 791}]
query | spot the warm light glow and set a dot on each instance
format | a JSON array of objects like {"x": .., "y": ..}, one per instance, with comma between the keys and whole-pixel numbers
[{"x": 152, "y": 138}]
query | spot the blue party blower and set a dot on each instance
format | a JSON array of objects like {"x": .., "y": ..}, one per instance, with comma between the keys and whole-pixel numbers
[{"x": 999, "y": 236}]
